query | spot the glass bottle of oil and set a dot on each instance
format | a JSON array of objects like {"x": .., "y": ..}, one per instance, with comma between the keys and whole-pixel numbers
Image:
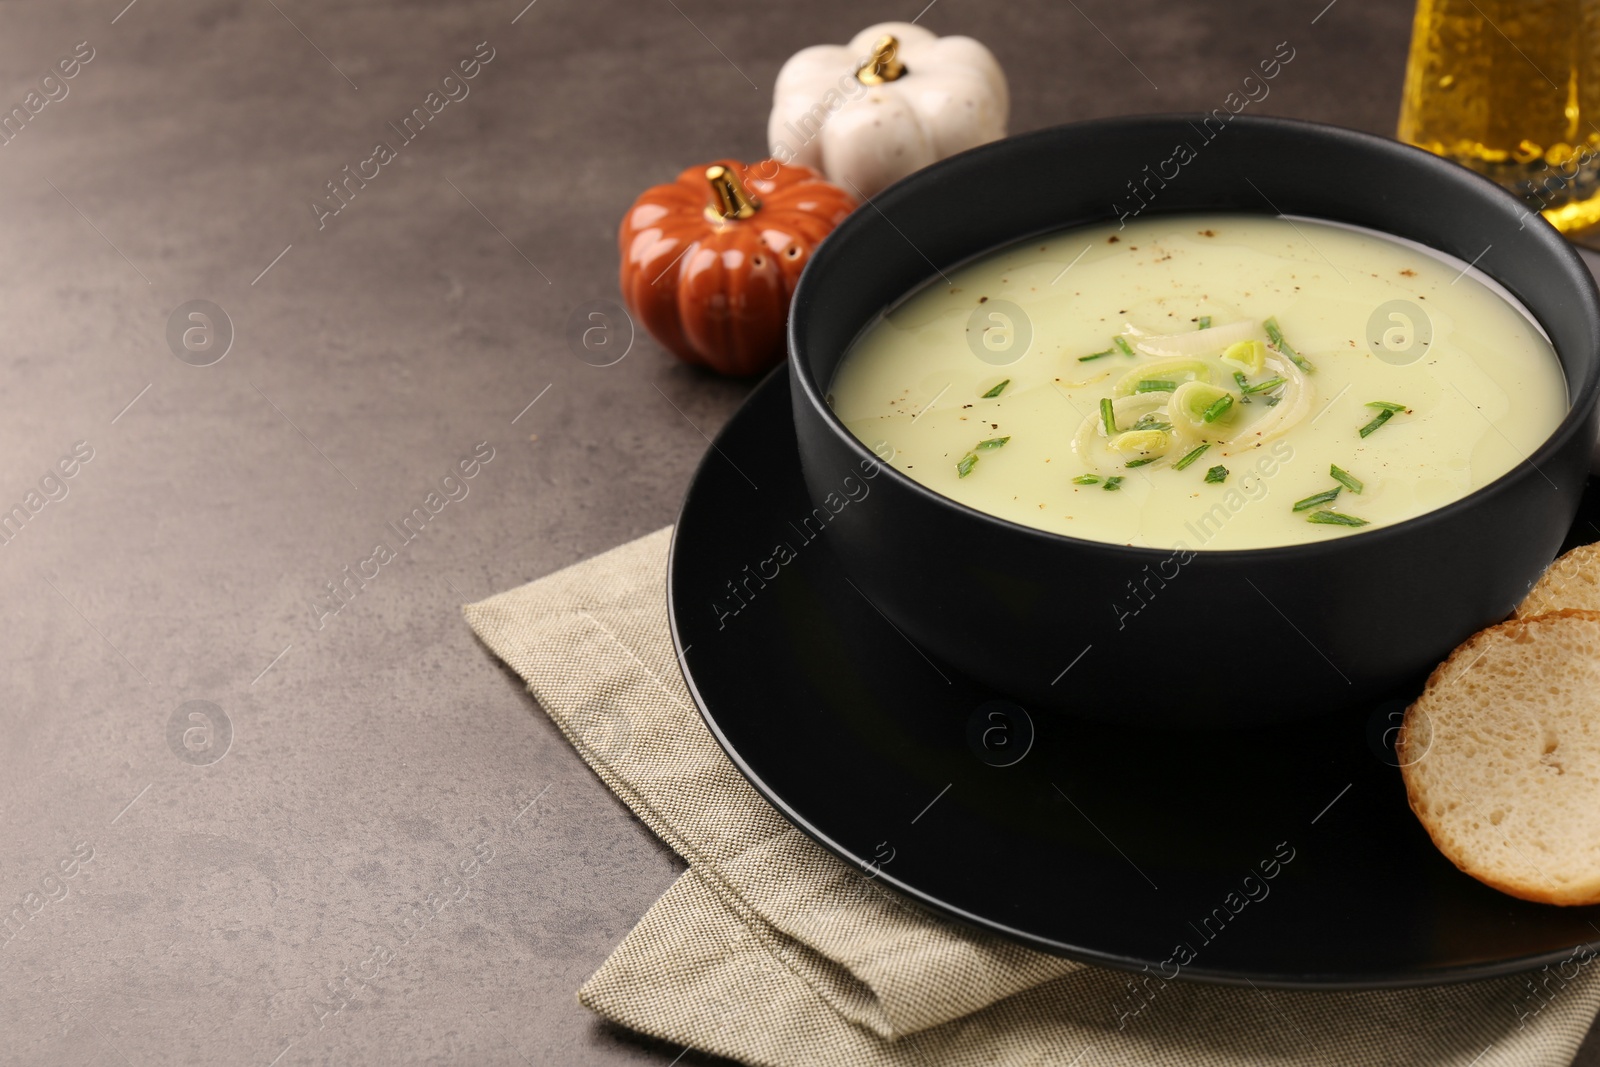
[{"x": 1511, "y": 89}]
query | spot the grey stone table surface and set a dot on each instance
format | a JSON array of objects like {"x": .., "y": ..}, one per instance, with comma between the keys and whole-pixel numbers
[{"x": 367, "y": 754}]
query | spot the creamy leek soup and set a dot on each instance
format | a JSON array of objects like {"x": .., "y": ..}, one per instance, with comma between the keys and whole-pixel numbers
[{"x": 1217, "y": 382}]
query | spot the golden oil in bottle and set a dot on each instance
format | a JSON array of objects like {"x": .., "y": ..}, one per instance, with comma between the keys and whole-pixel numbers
[{"x": 1511, "y": 89}]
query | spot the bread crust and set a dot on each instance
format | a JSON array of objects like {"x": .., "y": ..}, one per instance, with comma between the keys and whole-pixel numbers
[
  {"x": 1572, "y": 581},
  {"x": 1463, "y": 846}
]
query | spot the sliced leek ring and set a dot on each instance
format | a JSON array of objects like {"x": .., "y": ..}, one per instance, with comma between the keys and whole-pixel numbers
[
  {"x": 1191, "y": 401},
  {"x": 1248, "y": 356},
  {"x": 1140, "y": 442},
  {"x": 1090, "y": 442}
]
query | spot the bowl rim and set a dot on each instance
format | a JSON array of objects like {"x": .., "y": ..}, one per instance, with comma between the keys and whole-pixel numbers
[{"x": 1582, "y": 400}]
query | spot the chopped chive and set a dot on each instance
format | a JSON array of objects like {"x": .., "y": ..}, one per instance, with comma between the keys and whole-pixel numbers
[
  {"x": 1217, "y": 475},
  {"x": 1334, "y": 518},
  {"x": 1151, "y": 421},
  {"x": 1086, "y": 479},
  {"x": 1316, "y": 500},
  {"x": 1218, "y": 409},
  {"x": 1261, "y": 387},
  {"x": 1239, "y": 378},
  {"x": 1205, "y": 322},
  {"x": 991, "y": 444},
  {"x": 1108, "y": 416},
  {"x": 1272, "y": 401},
  {"x": 1113, "y": 482},
  {"x": 1155, "y": 385},
  {"x": 1191, "y": 457},
  {"x": 1283, "y": 346},
  {"x": 1098, "y": 355},
  {"x": 1122, "y": 343},
  {"x": 1141, "y": 462},
  {"x": 1382, "y": 417},
  {"x": 997, "y": 390},
  {"x": 1384, "y": 405},
  {"x": 964, "y": 467},
  {"x": 1345, "y": 478}
]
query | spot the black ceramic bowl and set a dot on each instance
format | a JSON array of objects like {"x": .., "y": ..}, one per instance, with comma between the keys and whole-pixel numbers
[{"x": 1292, "y": 631}]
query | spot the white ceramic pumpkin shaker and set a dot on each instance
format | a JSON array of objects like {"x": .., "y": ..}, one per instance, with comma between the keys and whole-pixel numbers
[{"x": 893, "y": 100}]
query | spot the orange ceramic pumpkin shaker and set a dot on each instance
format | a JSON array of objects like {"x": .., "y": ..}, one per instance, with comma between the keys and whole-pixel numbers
[{"x": 710, "y": 261}]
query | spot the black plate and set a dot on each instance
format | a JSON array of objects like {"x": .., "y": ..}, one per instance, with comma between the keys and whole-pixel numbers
[{"x": 1099, "y": 843}]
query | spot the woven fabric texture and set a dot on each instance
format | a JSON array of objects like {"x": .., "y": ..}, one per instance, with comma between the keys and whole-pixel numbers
[{"x": 771, "y": 951}]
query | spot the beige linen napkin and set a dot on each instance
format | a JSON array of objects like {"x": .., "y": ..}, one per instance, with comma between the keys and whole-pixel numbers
[{"x": 772, "y": 951}]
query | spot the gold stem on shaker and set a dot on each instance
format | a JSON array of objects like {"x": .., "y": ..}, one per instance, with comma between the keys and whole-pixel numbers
[
  {"x": 885, "y": 65},
  {"x": 733, "y": 200}
]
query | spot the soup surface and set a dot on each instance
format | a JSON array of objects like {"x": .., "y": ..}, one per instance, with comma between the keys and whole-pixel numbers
[{"x": 1219, "y": 382}]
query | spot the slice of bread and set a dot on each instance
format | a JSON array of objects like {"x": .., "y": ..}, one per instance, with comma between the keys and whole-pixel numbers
[
  {"x": 1573, "y": 581},
  {"x": 1501, "y": 757}
]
